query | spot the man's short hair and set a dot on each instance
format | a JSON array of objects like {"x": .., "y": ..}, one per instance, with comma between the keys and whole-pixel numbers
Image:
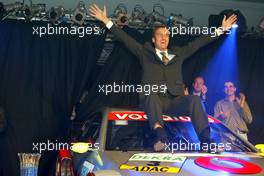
[
  {"x": 230, "y": 82},
  {"x": 197, "y": 78},
  {"x": 156, "y": 27}
]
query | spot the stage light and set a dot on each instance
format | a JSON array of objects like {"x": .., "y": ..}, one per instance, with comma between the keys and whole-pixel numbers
[
  {"x": 120, "y": 13},
  {"x": 79, "y": 14},
  {"x": 178, "y": 19},
  {"x": 34, "y": 10},
  {"x": 158, "y": 14},
  {"x": 56, "y": 14},
  {"x": 120, "y": 9},
  {"x": 9, "y": 8},
  {"x": 157, "y": 17},
  {"x": 13, "y": 7},
  {"x": 138, "y": 14},
  {"x": 235, "y": 26}
]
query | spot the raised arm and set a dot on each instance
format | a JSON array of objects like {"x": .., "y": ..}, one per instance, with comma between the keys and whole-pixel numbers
[
  {"x": 245, "y": 110},
  {"x": 246, "y": 114},
  {"x": 130, "y": 43},
  {"x": 203, "y": 40}
]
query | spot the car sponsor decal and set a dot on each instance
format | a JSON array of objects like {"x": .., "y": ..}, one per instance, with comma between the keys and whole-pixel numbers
[
  {"x": 160, "y": 157},
  {"x": 260, "y": 147},
  {"x": 141, "y": 116},
  {"x": 215, "y": 163},
  {"x": 150, "y": 168}
]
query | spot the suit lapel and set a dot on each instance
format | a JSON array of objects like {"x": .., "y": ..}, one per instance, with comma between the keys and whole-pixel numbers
[
  {"x": 150, "y": 48},
  {"x": 174, "y": 59},
  {"x": 156, "y": 58}
]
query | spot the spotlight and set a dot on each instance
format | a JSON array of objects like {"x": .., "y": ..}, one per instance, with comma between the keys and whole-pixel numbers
[
  {"x": 9, "y": 8},
  {"x": 178, "y": 19},
  {"x": 13, "y": 7},
  {"x": 120, "y": 10},
  {"x": 138, "y": 14},
  {"x": 157, "y": 17},
  {"x": 56, "y": 14},
  {"x": 158, "y": 14},
  {"x": 79, "y": 13},
  {"x": 120, "y": 13},
  {"x": 139, "y": 17},
  {"x": 234, "y": 26},
  {"x": 34, "y": 10}
]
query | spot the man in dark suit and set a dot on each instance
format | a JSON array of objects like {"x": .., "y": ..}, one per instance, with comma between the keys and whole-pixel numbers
[
  {"x": 161, "y": 66},
  {"x": 199, "y": 89}
]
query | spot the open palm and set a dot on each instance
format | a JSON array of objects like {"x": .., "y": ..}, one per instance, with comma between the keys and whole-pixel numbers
[
  {"x": 97, "y": 13},
  {"x": 228, "y": 22}
]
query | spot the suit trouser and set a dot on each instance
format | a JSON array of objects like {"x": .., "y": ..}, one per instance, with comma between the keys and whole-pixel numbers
[{"x": 155, "y": 105}]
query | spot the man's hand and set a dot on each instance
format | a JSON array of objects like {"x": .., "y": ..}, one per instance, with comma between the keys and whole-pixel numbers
[
  {"x": 204, "y": 90},
  {"x": 186, "y": 91},
  {"x": 99, "y": 14},
  {"x": 224, "y": 115},
  {"x": 227, "y": 23},
  {"x": 242, "y": 99}
]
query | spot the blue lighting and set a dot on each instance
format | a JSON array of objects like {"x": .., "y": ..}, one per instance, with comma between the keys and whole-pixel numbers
[
  {"x": 223, "y": 66},
  {"x": 235, "y": 25}
]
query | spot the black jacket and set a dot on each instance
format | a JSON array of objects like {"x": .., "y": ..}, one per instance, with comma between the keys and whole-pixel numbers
[{"x": 154, "y": 72}]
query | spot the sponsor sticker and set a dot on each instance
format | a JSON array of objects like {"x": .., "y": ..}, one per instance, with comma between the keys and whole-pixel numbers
[
  {"x": 160, "y": 157},
  {"x": 141, "y": 116},
  {"x": 216, "y": 164},
  {"x": 150, "y": 168}
]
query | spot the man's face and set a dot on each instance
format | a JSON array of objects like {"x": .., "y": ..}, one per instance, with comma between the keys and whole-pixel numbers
[
  {"x": 161, "y": 38},
  {"x": 230, "y": 89},
  {"x": 198, "y": 84}
]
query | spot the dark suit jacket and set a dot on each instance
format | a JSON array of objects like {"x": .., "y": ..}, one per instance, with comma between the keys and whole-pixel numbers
[{"x": 154, "y": 72}]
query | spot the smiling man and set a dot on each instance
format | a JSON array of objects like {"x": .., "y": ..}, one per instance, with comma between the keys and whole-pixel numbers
[
  {"x": 234, "y": 112},
  {"x": 163, "y": 66}
]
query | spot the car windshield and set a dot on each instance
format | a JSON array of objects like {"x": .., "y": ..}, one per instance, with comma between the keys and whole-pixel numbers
[{"x": 128, "y": 132}]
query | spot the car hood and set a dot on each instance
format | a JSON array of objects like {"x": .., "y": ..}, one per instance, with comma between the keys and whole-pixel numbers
[{"x": 186, "y": 164}]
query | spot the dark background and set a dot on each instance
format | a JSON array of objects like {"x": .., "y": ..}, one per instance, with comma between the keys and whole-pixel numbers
[{"x": 42, "y": 79}]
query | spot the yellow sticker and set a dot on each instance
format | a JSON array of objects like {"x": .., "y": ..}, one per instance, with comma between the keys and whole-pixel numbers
[
  {"x": 150, "y": 168},
  {"x": 260, "y": 147}
]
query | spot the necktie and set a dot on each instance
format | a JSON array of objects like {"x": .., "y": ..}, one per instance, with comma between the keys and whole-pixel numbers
[{"x": 164, "y": 58}]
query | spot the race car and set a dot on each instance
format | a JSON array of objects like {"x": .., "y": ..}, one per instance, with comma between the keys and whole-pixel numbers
[{"x": 123, "y": 146}]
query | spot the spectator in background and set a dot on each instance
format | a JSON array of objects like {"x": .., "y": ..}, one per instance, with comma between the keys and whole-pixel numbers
[
  {"x": 234, "y": 112},
  {"x": 200, "y": 90}
]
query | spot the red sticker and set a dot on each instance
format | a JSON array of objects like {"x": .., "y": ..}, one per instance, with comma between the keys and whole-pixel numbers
[
  {"x": 247, "y": 167},
  {"x": 141, "y": 116}
]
